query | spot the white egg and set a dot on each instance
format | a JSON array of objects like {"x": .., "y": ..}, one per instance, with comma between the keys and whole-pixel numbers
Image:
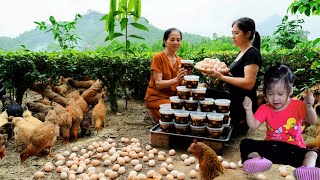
[
  {"x": 197, "y": 167},
  {"x": 150, "y": 156},
  {"x": 122, "y": 170},
  {"x": 152, "y": 163},
  {"x": 116, "y": 167},
  {"x": 184, "y": 156},
  {"x": 66, "y": 153},
  {"x": 174, "y": 173},
  {"x": 163, "y": 171},
  {"x": 59, "y": 163},
  {"x": 240, "y": 164},
  {"x": 169, "y": 177},
  {"x": 48, "y": 168},
  {"x": 192, "y": 159},
  {"x": 165, "y": 165},
  {"x": 72, "y": 177},
  {"x": 181, "y": 175},
  {"x": 113, "y": 175},
  {"x": 161, "y": 157},
  {"x": 220, "y": 158},
  {"x": 107, "y": 172},
  {"x": 289, "y": 177},
  {"x": 150, "y": 173},
  {"x": 225, "y": 164},
  {"x": 38, "y": 175},
  {"x": 63, "y": 175},
  {"x": 75, "y": 149},
  {"x": 134, "y": 162},
  {"x": 233, "y": 165},
  {"x": 172, "y": 152},
  {"x": 145, "y": 158},
  {"x": 261, "y": 176},
  {"x": 187, "y": 162},
  {"x": 193, "y": 174},
  {"x": 170, "y": 167},
  {"x": 155, "y": 151},
  {"x": 107, "y": 162},
  {"x": 138, "y": 167},
  {"x": 284, "y": 172},
  {"x": 83, "y": 151},
  {"x": 142, "y": 176}
]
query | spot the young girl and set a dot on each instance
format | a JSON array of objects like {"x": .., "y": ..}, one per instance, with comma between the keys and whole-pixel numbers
[{"x": 283, "y": 117}]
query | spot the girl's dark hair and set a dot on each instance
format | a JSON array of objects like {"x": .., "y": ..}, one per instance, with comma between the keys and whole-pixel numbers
[
  {"x": 167, "y": 33},
  {"x": 246, "y": 24},
  {"x": 276, "y": 74}
]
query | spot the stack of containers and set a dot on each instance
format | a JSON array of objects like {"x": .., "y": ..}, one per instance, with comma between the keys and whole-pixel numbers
[{"x": 190, "y": 112}]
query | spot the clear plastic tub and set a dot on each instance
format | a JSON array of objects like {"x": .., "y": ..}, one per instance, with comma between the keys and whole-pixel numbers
[
  {"x": 199, "y": 93},
  {"x": 166, "y": 126},
  {"x": 165, "y": 106},
  {"x": 166, "y": 115},
  {"x": 183, "y": 92},
  {"x": 192, "y": 81},
  {"x": 214, "y": 132},
  {"x": 187, "y": 64},
  {"x": 182, "y": 128},
  {"x": 215, "y": 120},
  {"x": 226, "y": 127},
  {"x": 207, "y": 105},
  {"x": 222, "y": 105},
  {"x": 191, "y": 105},
  {"x": 226, "y": 117},
  {"x": 198, "y": 130},
  {"x": 182, "y": 116},
  {"x": 176, "y": 103},
  {"x": 198, "y": 118}
]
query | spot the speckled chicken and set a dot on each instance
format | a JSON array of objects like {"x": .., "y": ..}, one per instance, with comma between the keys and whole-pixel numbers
[
  {"x": 99, "y": 114},
  {"x": 209, "y": 164},
  {"x": 44, "y": 136}
]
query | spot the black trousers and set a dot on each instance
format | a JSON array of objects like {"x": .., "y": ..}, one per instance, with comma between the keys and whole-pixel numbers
[{"x": 276, "y": 151}]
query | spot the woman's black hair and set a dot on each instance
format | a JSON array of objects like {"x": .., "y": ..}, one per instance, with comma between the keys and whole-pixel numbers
[
  {"x": 276, "y": 74},
  {"x": 246, "y": 24},
  {"x": 167, "y": 33}
]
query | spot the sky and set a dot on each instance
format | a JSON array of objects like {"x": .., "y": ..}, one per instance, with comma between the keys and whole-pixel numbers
[{"x": 202, "y": 17}]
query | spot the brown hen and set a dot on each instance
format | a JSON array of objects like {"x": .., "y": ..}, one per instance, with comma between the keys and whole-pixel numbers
[
  {"x": 76, "y": 113},
  {"x": 99, "y": 114},
  {"x": 209, "y": 164}
]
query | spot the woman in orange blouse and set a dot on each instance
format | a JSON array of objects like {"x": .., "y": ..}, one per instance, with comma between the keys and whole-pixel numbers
[{"x": 165, "y": 73}]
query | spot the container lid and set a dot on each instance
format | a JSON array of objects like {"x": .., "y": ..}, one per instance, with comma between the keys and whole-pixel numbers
[
  {"x": 197, "y": 127},
  {"x": 168, "y": 123},
  {"x": 191, "y": 78},
  {"x": 222, "y": 102},
  {"x": 190, "y": 100},
  {"x": 199, "y": 90},
  {"x": 183, "y": 88},
  {"x": 198, "y": 114},
  {"x": 207, "y": 101},
  {"x": 215, "y": 116},
  {"x": 165, "y": 106},
  {"x": 186, "y": 61},
  {"x": 175, "y": 99},
  {"x": 214, "y": 129},
  {"x": 180, "y": 125},
  {"x": 181, "y": 113},
  {"x": 166, "y": 111}
]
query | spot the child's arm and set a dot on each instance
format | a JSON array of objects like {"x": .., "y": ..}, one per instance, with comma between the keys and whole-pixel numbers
[
  {"x": 311, "y": 117},
  {"x": 251, "y": 121}
]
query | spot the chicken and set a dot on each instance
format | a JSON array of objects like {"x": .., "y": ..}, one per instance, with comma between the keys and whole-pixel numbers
[
  {"x": 47, "y": 92},
  {"x": 3, "y": 140},
  {"x": 76, "y": 113},
  {"x": 99, "y": 114},
  {"x": 85, "y": 125},
  {"x": 61, "y": 90},
  {"x": 40, "y": 110},
  {"x": 209, "y": 164},
  {"x": 6, "y": 127},
  {"x": 3, "y": 118},
  {"x": 64, "y": 121},
  {"x": 23, "y": 130},
  {"x": 82, "y": 104},
  {"x": 30, "y": 119},
  {"x": 13, "y": 108},
  {"x": 93, "y": 94},
  {"x": 73, "y": 94},
  {"x": 43, "y": 136},
  {"x": 81, "y": 84}
]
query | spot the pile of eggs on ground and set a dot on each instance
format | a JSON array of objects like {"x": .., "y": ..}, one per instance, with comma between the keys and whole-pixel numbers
[
  {"x": 209, "y": 64},
  {"x": 127, "y": 159}
]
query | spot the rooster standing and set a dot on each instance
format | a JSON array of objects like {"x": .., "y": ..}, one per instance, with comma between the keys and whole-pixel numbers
[{"x": 209, "y": 164}]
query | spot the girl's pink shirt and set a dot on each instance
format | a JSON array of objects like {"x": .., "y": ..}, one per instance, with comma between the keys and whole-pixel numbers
[{"x": 284, "y": 125}]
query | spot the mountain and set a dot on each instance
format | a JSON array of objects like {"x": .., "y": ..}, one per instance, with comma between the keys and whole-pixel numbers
[
  {"x": 92, "y": 32},
  {"x": 268, "y": 26}
]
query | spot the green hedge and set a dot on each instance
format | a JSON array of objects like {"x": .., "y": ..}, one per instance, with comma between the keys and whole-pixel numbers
[{"x": 121, "y": 76}]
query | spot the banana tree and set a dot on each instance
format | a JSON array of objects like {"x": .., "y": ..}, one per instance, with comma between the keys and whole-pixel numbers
[{"x": 120, "y": 11}]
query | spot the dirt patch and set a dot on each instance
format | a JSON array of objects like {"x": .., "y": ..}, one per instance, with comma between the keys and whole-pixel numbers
[{"x": 130, "y": 123}]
